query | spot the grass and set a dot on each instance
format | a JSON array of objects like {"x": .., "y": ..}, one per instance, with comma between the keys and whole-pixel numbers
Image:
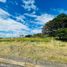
[{"x": 36, "y": 49}]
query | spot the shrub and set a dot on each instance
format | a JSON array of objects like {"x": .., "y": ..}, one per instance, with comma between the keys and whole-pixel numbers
[{"x": 62, "y": 33}]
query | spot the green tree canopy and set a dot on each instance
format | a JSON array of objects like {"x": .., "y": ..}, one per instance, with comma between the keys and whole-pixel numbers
[{"x": 59, "y": 22}]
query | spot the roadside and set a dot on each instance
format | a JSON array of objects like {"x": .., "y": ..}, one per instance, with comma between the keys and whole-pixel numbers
[{"x": 14, "y": 63}]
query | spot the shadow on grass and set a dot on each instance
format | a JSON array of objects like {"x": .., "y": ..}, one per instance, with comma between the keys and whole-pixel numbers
[{"x": 64, "y": 40}]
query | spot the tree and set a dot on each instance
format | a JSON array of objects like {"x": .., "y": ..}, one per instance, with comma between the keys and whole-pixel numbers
[
  {"x": 28, "y": 36},
  {"x": 58, "y": 23},
  {"x": 62, "y": 33},
  {"x": 37, "y": 35}
]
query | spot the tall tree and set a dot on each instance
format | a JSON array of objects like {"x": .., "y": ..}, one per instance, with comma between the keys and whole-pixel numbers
[{"x": 59, "y": 22}]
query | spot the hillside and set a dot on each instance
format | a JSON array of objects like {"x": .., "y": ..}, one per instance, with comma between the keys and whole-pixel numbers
[{"x": 34, "y": 50}]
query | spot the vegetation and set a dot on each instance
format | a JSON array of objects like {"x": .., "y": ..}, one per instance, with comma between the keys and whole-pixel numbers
[
  {"x": 62, "y": 33},
  {"x": 40, "y": 35},
  {"x": 57, "y": 27},
  {"x": 34, "y": 49}
]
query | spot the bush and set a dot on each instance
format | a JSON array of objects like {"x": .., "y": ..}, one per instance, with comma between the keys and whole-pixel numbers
[
  {"x": 28, "y": 36},
  {"x": 62, "y": 33},
  {"x": 38, "y": 35}
]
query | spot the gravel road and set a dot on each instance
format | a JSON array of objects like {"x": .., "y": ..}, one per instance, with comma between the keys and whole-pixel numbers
[
  {"x": 9, "y": 65},
  {"x": 14, "y": 63}
]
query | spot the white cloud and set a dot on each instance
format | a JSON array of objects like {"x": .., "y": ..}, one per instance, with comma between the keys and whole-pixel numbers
[
  {"x": 44, "y": 18},
  {"x": 59, "y": 10},
  {"x": 31, "y": 15},
  {"x": 3, "y": 1},
  {"x": 9, "y": 24},
  {"x": 21, "y": 18},
  {"x": 16, "y": 28},
  {"x": 29, "y": 5},
  {"x": 10, "y": 27},
  {"x": 4, "y": 14},
  {"x": 41, "y": 19},
  {"x": 35, "y": 31}
]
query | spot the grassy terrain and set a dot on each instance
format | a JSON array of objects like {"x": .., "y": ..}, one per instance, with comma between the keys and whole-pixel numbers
[{"x": 36, "y": 49}]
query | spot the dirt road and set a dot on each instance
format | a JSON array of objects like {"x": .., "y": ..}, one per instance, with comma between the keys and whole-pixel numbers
[{"x": 14, "y": 63}]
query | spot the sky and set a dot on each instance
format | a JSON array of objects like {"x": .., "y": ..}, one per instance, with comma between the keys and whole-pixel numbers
[{"x": 23, "y": 17}]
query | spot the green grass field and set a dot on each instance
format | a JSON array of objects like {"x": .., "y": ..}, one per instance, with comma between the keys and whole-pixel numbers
[{"x": 36, "y": 49}]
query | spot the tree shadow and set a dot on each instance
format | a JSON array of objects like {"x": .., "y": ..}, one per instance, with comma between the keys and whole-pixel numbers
[{"x": 64, "y": 40}]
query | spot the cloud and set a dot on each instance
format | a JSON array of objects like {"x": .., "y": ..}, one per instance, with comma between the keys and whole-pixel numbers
[
  {"x": 30, "y": 15},
  {"x": 43, "y": 18},
  {"x": 3, "y": 1},
  {"x": 29, "y": 5},
  {"x": 10, "y": 24},
  {"x": 59, "y": 10},
  {"x": 4, "y": 14},
  {"x": 21, "y": 18},
  {"x": 10, "y": 27},
  {"x": 16, "y": 28},
  {"x": 35, "y": 31},
  {"x": 40, "y": 19}
]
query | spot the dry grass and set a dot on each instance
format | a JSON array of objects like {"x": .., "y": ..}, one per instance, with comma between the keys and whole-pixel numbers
[{"x": 51, "y": 50}]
